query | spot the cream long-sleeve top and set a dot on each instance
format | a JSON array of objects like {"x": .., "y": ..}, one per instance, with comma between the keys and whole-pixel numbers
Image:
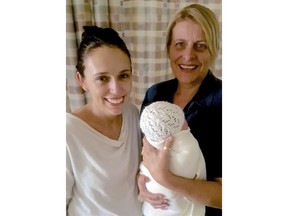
[
  {"x": 186, "y": 160},
  {"x": 101, "y": 172}
]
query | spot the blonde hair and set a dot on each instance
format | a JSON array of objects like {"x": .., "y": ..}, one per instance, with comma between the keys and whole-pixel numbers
[{"x": 205, "y": 18}]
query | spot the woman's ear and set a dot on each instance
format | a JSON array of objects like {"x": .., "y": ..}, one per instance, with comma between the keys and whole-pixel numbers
[{"x": 81, "y": 81}]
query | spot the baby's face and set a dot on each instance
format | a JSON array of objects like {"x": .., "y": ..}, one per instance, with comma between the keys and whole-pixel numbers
[{"x": 185, "y": 125}]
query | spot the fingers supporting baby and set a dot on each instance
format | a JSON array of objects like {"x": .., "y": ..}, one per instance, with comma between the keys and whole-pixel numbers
[
  {"x": 156, "y": 200},
  {"x": 148, "y": 147},
  {"x": 168, "y": 143},
  {"x": 157, "y": 160}
]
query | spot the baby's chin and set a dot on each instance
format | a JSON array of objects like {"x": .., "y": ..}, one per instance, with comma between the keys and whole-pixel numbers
[{"x": 185, "y": 126}]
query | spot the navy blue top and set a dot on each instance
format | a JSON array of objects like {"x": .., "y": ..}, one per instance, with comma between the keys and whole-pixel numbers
[{"x": 204, "y": 116}]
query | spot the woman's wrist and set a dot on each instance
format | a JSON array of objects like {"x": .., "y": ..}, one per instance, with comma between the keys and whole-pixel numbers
[{"x": 164, "y": 178}]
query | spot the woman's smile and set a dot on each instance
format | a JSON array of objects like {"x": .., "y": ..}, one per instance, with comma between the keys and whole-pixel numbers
[{"x": 115, "y": 101}]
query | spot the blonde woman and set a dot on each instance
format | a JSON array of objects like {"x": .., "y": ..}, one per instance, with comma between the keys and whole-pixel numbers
[{"x": 192, "y": 44}]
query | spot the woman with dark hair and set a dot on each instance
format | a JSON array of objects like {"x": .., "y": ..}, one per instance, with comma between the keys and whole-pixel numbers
[{"x": 103, "y": 136}]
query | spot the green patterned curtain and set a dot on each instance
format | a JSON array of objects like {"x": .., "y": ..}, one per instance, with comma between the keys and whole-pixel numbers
[{"x": 142, "y": 25}]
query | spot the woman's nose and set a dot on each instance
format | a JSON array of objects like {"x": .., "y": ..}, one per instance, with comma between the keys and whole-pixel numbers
[
  {"x": 115, "y": 86},
  {"x": 189, "y": 53}
]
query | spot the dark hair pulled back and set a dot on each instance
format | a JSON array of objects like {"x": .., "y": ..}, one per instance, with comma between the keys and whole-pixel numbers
[{"x": 94, "y": 37}]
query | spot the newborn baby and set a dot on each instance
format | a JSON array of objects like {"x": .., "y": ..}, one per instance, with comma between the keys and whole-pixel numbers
[{"x": 159, "y": 120}]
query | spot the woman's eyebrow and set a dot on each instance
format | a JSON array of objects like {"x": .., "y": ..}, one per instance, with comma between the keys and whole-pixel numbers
[{"x": 125, "y": 71}]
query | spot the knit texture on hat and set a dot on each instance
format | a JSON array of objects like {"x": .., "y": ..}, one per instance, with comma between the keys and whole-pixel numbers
[{"x": 161, "y": 119}]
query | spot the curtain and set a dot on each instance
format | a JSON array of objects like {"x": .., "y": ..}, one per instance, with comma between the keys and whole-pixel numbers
[{"x": 142, "y": 25}]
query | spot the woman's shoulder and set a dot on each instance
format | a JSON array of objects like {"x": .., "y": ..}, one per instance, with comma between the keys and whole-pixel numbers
[
  {"x": 71, "y": 121},
  {"x": 213, "y": 84},
  {"x": 213, "y": 81},
  {"x": 210, "y": 91},
  {"x": 70, "y": 118}
]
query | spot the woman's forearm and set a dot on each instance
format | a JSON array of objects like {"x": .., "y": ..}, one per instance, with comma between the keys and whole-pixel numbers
[{"x": 208, "y": 193}]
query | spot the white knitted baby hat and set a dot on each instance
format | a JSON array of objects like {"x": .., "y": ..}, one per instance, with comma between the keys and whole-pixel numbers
[{"x": 161, "y": 119}]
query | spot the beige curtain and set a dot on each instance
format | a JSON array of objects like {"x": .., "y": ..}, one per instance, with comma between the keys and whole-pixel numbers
[{"x": 142, "y": 25}]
